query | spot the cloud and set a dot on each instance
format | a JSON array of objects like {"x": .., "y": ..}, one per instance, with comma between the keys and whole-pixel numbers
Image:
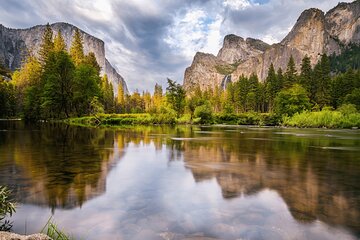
[
  {"x": 148, "y": 41},
  {"x": 237, "y": 4}
]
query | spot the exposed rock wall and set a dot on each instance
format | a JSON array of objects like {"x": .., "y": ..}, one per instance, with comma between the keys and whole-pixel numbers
[
  {"x": 314, "y": 33},
  {"x": 16, "y": 44}
]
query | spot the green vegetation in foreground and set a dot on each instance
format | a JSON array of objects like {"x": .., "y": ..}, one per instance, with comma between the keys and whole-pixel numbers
[
  {"x": 53, "y": 231},
  {"x": 345, "y": 117},
  {"x": 7, "y": 208}
]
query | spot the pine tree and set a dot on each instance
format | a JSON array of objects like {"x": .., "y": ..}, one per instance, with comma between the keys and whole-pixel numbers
[
  {"x": 322, "y": 78},
  {"x": 290, "y": 75},
  {"x": 175, "y": 95},
  {"x": 77, "y": 48},
  {"x": 252, "y": 101},
  {"x": 58, "y": 84},
  {"x": 305, "y": 78},
  {"x": 90, "y": 59},
  {"x": 157, "y": 97},
  {"x": 47, "y": 45},
  {"x": 59, "y": 42},
  {"x": 271, "y": 86},
  {"x": 120, "y": 99},
  {"x": 280, "y": 79}
]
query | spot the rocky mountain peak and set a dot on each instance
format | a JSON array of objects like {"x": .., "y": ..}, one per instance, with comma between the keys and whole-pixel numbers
[
  {"x": 236, "y": 49},
  {"x": 313, "y": 34},
  {"x": 310, "y": 21},
  {"x": 343, "y": 22}
]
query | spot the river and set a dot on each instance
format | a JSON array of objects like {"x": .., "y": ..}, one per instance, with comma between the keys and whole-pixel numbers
[{"x": 183, "y": 182}]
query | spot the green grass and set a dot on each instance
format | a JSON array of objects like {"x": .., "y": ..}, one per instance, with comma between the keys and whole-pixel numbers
[
  {"x": 123, "y": 119},
  {"x": 53, "y": 231},
  {"x": 324, "y": 118}
]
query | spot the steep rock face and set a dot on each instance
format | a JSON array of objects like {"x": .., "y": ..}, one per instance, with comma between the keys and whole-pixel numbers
[
  {"x": 308, "y": 37},
  {"x": 203, "y": 72},
  {"x": 16, "y": 44},
  {"x": 205, "y": 69},
  {"x": 236, "y": 49},
  {"x": 343, "y": 22},
  {"x": 313, "y": 34}
]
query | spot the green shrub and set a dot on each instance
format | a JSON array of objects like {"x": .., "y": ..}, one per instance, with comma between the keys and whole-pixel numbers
[
  {"x": 291, "y": 101},
  {"x": 325, "y": 118},
  {"x": 7, "y": 208},
  {"x": 204, "y": 113}
]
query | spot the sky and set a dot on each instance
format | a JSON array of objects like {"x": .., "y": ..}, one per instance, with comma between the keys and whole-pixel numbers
[{"x": 148, "y": 41}]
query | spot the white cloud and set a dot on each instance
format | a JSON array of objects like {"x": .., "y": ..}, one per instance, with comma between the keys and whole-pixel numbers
[
  {"x": 194, "y": 31},
  {"x": 237, "y": 4}
]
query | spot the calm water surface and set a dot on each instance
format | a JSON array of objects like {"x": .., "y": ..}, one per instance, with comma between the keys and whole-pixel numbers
[{"x": 183, "y": 182}]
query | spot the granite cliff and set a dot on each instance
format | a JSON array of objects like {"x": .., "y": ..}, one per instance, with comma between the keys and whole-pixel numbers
[
  {"x": 313, "y": 34},
  {"x": 15, "y": 45}
]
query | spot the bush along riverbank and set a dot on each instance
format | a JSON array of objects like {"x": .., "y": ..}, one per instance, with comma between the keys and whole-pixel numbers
[{"x": 344, "y": 117}]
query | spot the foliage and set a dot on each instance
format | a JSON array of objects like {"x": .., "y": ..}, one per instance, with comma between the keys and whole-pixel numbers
[
  {"x": 290, "y": 74},
  {"x": 354, "y": 98},
  {"x": 291, "y": 101},
  {"x": 58, "y": 78},
  {"x": 325, "y": 118},
  {"x": 348, "y": 59},
  {"x": 47, "y": 45},
  {"x": 53, "y": 231},
  {"x": 175, "y": 95},
  {"x": 7, "y": 99},
  {"x": 7, "y": 208},
  {"x": 226, "y": 69},
  {"x": 77, "y": 49},
  {"x": 204, "y": 113}
]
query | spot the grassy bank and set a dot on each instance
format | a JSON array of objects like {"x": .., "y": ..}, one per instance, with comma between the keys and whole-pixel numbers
[
  {"x": 123, "y": 119},
  {"x": 250, "y": 118},
  {"x": 325, "y": 118}
]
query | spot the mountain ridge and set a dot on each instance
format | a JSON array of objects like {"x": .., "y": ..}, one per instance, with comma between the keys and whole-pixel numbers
[
  {"x": 16, "y": 44},
  {"x": 313, "y": 34}
]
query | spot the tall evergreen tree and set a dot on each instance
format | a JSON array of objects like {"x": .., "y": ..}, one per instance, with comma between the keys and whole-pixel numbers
[
  {"x": 120, "y": 99},
  {"x": 305, "y": 78},
  {"x": 90, "y": 59},
  {"x": 59, "y": 42},
  {"x": 280, "y": 79},
  {"x": 47, "y": 45},
  {"x": 58, "y": 84},
  {"x": 157, "y": 97},
  {"x": 290, "y": 74},
  {"x": 175, "y": 95},
  {"x": 77, "y": 48},
  {"x": 271, "y": 86},
  {"x": 322, "y": 78}
]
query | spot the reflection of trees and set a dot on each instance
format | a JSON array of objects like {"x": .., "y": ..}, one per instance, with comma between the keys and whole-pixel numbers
[
  {"x": 55, "y": 164},
  {"x": 315, "y": 183}
]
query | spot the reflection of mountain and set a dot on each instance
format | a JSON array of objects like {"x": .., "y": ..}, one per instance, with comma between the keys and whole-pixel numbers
[
  {"x": 54, "y": 164},
  {"x": 314, "y": 183}
]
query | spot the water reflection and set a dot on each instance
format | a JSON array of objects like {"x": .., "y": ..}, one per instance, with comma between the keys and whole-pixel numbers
[
  {"x": 54, "y": 164},
  {"x": 185, "y": 182}
]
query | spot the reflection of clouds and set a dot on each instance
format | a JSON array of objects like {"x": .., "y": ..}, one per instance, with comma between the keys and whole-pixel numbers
[{"x": 147, "y": 195}]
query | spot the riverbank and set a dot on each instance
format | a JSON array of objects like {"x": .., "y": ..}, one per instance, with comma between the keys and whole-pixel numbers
[{"x": 344, "y": 118}]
